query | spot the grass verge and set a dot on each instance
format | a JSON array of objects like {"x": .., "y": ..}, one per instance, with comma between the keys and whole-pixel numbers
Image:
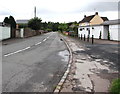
[{"x": 115, "y": 86}]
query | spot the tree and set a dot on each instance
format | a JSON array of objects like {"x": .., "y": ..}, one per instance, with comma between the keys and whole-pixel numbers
[
  {"x": 6, "y": 20},
  {"x": 63, "y": 27},
  {"x": 12, "y": 22},
  {"x": 23, "y": 25},
  {"x": 35, "y": 23}
]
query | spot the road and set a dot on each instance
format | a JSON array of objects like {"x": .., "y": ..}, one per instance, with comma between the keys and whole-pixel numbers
[{"x": 35, "y": 64}]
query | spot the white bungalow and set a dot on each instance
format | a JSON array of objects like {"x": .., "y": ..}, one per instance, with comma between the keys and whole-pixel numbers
[{"x": 102, "y": 30}]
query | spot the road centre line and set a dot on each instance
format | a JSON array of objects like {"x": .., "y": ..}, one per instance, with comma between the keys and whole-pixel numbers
[
  {"x": 25, "y": 48},
  {"x": 47, "y": 37},
  {"x": 17, "y": 51},
  {"x": 44, "y": 39},
  {"x": 38, "y": 43}
]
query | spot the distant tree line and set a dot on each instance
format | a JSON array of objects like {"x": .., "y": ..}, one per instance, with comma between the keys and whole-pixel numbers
[{"x": 37, "y": 24}]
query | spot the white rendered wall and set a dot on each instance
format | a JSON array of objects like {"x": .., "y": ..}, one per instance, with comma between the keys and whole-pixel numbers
[
  {"x": 114, "y": 32},
  {"x": 95, "y": 30},
  {"x": 4, "y": 32}
]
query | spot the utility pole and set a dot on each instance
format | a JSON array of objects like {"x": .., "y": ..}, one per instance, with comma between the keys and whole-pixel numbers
[{"x": 35, "y": 11}]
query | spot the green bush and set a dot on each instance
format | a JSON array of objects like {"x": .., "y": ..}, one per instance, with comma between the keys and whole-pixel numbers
[
  {"x": 35, "y": 23},
  {"x": 115, "y": 87}
]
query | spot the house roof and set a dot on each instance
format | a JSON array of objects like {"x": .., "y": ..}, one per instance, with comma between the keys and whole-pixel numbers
[
  {"x": 89, "y": 18},
  {"x": 22, "y": 21},
  {"x": 105, "y": 18},
  {"x": 112, "y": 22}
]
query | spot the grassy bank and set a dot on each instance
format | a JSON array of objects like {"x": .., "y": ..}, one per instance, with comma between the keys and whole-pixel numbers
[{"x": 115, "y": 87}]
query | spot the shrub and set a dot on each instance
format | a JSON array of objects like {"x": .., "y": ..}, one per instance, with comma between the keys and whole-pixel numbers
[
  {"x": 35, "y": 23},
  {"x": 115, "y": 87}
]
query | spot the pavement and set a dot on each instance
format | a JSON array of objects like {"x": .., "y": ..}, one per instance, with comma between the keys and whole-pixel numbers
[
  {"x": 94, "y": 66},
  {"x": 34, "y": 64}
]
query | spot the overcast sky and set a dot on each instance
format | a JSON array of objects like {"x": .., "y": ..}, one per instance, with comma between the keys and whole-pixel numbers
[{"x": 58, "y": 10}]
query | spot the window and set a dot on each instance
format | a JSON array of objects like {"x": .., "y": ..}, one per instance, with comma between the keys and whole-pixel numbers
[
  {"x": 80, "y": 29},
  {"x": 88, "y": 29}
]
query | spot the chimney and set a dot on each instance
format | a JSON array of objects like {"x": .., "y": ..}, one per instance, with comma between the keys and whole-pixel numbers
[
  {"x": 84, "y": 16},
  {"x": 96, "y": 13}
]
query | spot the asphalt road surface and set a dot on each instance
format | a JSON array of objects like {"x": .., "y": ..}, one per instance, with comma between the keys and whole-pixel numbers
[{"x": 35, "y": 64}]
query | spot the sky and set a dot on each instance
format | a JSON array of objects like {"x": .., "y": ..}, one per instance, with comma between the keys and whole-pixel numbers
[{"x": 58, "y": 10}]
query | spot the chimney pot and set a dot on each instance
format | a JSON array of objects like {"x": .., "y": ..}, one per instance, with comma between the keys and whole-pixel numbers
[
  {"x": 96, "y": 13},
  {"x": 84, "y": 16}
]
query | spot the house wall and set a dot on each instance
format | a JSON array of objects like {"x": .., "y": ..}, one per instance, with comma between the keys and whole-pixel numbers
[
  {"x": 83, "y": 32},
  {"x": 113, "y": 29},
  {"x": 114, "y": 32},
  {"x": 96, "y": 20},
  {"x": 20, "y": 33},
  {"x": 4, "y": 32},
  {"x": 96, "y": 31},
  {"x": 105, "y": 32}
]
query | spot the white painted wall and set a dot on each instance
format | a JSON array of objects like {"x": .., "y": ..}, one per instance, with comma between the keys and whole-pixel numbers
[
  {"x": 114, "y": 32},
  {"x": 113, "y": 29},
  {"x": 105, "y": 32},
  {"x": 4, "y": 32},
  {"x": 20, "y": 33},
  {"x": 95, "y": 31},
  {"x": 84, "y": 31}
]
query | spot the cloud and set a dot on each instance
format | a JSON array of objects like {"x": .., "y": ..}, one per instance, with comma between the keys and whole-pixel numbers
[
  {"x": 44, "y": 11},
  {"x": 4, "y": 13},
  {"x": 101, "y": 7},
  {"x": 59, "y": 10}
]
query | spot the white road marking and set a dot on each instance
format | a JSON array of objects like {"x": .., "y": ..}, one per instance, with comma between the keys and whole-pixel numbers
[
  {"x": 24, "y": 48},
  {"x": 47, "y": 37},
  {"x": 17, "y": 51},
  {"x": 38, "y": 43},
  {"x": 44, "y": 39}
]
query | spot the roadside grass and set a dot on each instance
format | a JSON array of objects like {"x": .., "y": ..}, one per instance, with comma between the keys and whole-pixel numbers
[{"x": 115, "y": 86}]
